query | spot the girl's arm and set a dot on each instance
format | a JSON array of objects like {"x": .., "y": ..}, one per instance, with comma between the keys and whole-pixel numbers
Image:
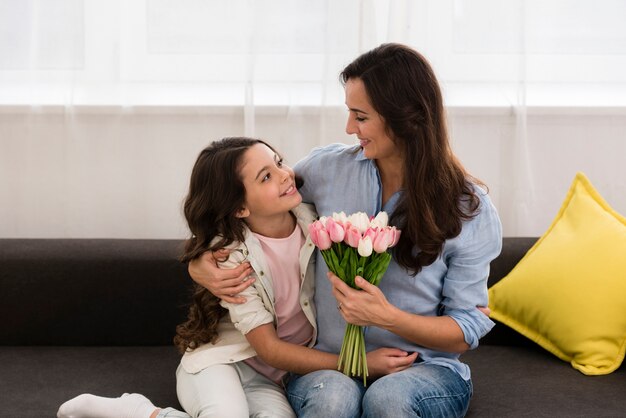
[
  {"x": 301, "y": 360},
  {"x": 287, "y": 356}
]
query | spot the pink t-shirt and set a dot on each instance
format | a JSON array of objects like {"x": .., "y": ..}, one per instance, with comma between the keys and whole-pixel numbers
[{"x": 282, "y": 256}]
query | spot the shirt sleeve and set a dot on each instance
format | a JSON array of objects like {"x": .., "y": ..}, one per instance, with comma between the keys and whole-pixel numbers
[
  {"x": 251, "y": 314},
  {"x": 312, "y": 170},
  {"x": 465, "y": 284}
]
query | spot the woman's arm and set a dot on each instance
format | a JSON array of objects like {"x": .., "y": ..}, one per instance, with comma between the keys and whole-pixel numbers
[
  {"x": 463, "y": 292},
  {"x": 224, "y": 283},
  {"x": 301, "y": 360},
  {"x": 371, "y": 307}
]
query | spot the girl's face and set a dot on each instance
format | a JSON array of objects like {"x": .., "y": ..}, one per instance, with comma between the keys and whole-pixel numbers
[
  {"x": 368, "y": 125},
  {"x": 270, "y": 185}
]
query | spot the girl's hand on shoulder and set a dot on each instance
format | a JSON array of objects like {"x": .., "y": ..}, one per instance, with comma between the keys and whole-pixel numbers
[
  {"x": 224, "y": 283},
  {"x": 384, "y": 361}
]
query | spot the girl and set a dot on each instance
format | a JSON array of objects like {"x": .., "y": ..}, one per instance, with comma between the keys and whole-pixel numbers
[{"x": 243, "y": 198}]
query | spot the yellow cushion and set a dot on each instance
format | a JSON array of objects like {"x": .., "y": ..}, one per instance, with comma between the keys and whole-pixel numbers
[{"x": 568, "y": 293}]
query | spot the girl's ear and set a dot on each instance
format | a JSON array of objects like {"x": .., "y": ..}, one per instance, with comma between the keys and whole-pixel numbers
[{"x": 242, "y": 213}]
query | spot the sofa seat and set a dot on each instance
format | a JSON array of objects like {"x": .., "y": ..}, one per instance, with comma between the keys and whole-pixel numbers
[{"x": 36, "y": 380}]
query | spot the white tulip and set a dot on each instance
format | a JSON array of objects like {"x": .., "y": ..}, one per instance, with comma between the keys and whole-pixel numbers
[
  {"x": 380, "y": 221},
  {"x": 365, "y": 247},
  {"x": 340, "y": 217},
  {"x": 360, "y": 221}
]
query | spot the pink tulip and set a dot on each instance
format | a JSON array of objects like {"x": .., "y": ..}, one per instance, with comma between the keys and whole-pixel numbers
[
  {"x": 352, "y": 236},
  {"x": 396, "y": 236},
  {"x": 335, "y": 230},
  {"x": 370, "y": 232},
  {"x": 319, "y": 235},
  {"x": 382, "y": 239}
]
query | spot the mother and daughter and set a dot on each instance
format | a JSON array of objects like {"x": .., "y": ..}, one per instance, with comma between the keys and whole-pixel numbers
[{"x": 253, "y": 318}]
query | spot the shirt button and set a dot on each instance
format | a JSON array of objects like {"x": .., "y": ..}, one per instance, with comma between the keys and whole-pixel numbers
[
  {"x": 261, "y": 273},
  {"x": 306, "y": 303}
]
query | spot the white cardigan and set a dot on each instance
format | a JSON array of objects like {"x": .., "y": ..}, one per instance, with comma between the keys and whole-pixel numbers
[{"x": 232, "y": 345}]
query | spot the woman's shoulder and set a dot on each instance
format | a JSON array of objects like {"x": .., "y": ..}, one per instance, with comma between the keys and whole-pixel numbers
[
  {"x": 485, "y": 221},
  {"x": 332, "y": 151}
]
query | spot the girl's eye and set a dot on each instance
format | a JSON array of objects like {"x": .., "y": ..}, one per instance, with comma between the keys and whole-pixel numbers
[
  {"x": 279, "y": 163},
  {"x": 359, "y": 119},
  {"x": 266, "y": 177}
]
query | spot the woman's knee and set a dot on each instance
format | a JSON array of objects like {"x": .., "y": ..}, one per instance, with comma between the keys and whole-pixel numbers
[
  {"x": 325, "y": 393},
  {"x": 430, "y": 391}
]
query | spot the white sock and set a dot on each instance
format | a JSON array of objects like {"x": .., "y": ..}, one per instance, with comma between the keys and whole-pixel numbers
[{"x": 90, "y": 406}]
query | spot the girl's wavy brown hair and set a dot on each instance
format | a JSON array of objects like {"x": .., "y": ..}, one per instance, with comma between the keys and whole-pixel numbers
[
  {"x": 216, "y": 193},
  {"x": 438, "y": 194}
]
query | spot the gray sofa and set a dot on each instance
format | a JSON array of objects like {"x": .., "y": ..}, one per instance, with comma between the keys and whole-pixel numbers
[{"x": 98, "y": 316}]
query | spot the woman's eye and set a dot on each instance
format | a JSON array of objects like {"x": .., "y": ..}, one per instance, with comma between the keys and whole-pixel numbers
[
  {"x": 359, "y": 119},
  {"x": 279, "y": 163}
]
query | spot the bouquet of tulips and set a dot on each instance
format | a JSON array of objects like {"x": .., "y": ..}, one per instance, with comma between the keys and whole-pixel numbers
[{"x": 353, "y": 246}]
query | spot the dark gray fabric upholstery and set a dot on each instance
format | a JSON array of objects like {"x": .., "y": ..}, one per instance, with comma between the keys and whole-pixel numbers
[
  {"x": 98, "y": 316},
  {"x": 91, "y": 292},
  {"x": 513, "y": 381},
  {"x": 36, "y": 380}
]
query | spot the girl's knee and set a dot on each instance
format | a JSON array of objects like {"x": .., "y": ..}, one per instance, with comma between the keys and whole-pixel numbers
[{"x": 222, "y": 410}]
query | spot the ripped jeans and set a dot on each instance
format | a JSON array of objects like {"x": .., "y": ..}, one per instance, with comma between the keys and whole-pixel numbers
[{"x": 423, "y": 390}]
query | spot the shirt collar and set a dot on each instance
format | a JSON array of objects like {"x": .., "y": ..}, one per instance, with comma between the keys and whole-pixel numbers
[{"x": 360, "y": 156}]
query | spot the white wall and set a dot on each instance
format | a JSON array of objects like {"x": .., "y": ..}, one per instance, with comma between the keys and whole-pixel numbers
[{"x": 123, "y": 173}]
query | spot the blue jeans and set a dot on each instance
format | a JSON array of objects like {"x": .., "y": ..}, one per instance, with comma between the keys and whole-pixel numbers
[{"x": 423, "y": 390}]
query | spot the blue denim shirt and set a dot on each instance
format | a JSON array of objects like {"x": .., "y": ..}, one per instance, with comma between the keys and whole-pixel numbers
[{"x": 339, "y": 178}]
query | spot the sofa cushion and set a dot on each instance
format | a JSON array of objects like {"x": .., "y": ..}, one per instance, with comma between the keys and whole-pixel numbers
[
  {"x": 514, "y": 381},
  {"x": 568, "y": 292},
  {"x": 35, "y": 381}
]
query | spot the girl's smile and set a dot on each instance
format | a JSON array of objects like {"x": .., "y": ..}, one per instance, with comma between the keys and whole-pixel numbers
[{"x": 270, "y": 192}]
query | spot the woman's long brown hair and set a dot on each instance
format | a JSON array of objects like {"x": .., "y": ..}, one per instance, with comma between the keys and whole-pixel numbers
[
  {"x": 438, "y": 194},
  {"x": 216, "y": 193}
]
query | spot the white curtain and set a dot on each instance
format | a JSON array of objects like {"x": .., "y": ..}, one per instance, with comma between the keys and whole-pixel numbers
[{"x": 105, "y": 104}]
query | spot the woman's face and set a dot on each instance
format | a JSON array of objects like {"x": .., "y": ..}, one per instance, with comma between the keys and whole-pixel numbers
[
  {"x": 270, "y": 185},
  {"x": 367, "y": 124}
]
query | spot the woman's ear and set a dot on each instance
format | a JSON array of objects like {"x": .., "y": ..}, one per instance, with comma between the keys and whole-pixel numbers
[{"x": 242, "y": 213}]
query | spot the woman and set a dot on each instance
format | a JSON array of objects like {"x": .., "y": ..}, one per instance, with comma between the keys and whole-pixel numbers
[{"x": 427, "y": 300}]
